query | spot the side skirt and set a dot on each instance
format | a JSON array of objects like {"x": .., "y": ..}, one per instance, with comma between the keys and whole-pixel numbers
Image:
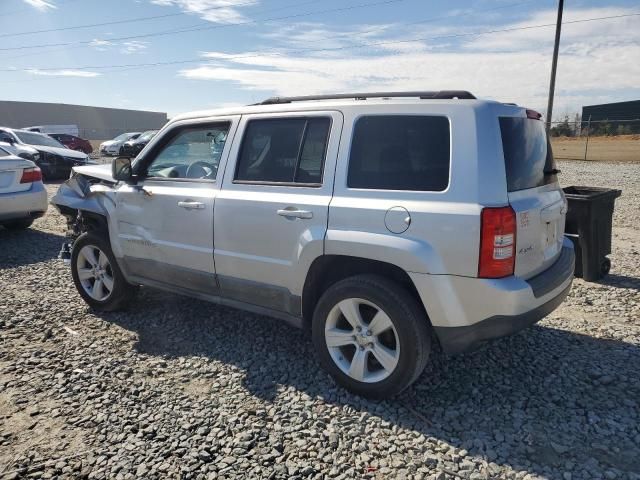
[{"x": 293, "y": 320}]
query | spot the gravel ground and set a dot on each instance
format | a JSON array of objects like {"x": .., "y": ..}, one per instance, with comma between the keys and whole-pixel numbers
[{"x": 177, "y": 388}]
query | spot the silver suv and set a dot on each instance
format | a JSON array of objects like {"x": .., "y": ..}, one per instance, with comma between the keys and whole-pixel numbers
[{"x": 381, "y": 222}]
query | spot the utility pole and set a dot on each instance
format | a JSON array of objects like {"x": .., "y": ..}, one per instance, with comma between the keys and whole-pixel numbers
[{"x": 554, "y": 65}]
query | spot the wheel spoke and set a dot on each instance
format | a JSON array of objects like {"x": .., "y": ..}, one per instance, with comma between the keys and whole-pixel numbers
[
  {"x": 336, "y": 337},
  {"x": 385, "y": 356},
  {"x": 96, "y": 291},
  {"x": 351, "y": 311},
  {"x": 358, "y": 366},
  {"x": 380, "y": 323},
  {"x": 102, "y": 259},
  {"x": 108, "y": 283},
  {"x": 85, "y": 273},
  {"x": 90, "y": 256}
]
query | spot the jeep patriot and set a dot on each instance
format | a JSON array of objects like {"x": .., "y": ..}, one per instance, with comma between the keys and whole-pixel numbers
[{"x": 380, "y": 222}]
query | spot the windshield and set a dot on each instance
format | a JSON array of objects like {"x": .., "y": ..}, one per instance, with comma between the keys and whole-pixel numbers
[
  {"x": 147, "y": 135},
  {"x": 124, "y": 136},
  {"x": 31, "y": 138}
]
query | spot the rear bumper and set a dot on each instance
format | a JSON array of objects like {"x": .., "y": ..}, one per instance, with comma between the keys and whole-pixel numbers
[
  {"x": 463, "y": 339},
  {"x": 29, "y": 204},
  {"x": 466, "y": 311}
]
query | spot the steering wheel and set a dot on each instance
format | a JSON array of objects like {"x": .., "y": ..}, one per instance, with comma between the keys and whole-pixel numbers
[{"x": 199, "y": 170}]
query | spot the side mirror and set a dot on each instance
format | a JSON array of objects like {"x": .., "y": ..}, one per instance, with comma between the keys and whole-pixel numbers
[{"x": 121, "y": 169}]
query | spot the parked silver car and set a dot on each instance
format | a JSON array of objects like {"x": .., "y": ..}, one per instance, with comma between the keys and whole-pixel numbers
[
  {"x": 23, "y": 197},
  {"x": 378, "y": 221}
]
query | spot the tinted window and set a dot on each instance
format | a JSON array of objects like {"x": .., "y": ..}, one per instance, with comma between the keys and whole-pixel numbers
[
  {"x": 289, "y": 150},
  {"x": 400, "y": 153},
  {"x": 5, "y": 137},
  {"x": 190, "y": 152},
  {"x": 527, "y": 153}
]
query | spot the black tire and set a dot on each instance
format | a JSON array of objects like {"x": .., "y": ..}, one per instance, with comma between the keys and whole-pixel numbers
[
  {"x": 22, "y": 224},
  {"x": 407, "y": 317},
  {"x": 122, "y": 291},
  {"x": 605, "y": 267}
]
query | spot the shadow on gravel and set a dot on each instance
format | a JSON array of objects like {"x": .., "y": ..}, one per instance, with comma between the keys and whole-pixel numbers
[
  {"x": 621, "y": 281},
  {"x": 15, "y": 251},
  {"x": 545, "y": 401}
]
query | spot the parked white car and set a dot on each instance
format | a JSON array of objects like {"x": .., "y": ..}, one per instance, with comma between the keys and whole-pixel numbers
[
  {"x": 23, "y": 197},
  {"x": 112, "y": 147},
  {"x": 377, "y": 221},
  {"x": 54, "y": 159}
]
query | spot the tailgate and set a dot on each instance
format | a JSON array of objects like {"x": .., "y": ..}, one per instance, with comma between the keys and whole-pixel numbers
[
  {"x": 533, "y": 193},
  {"x": 540, "y": 216},
  {"x": 10, "y": 174}
]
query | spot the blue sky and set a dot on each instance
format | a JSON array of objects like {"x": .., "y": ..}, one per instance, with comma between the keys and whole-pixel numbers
[{"x": 242, "y": 51}]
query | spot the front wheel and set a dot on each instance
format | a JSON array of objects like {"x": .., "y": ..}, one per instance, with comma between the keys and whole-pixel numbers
[
  {"x": 96, "y": 273},
  {"x": 371, "y": 336}
]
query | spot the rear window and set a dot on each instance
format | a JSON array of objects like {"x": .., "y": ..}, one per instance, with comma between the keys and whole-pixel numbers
[
  {"x": 400, "y": 152},
  {"x": 527, "y": 153}
]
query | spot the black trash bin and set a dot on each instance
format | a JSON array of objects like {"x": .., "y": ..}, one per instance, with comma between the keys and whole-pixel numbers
[{"x": 588, "y": 226}]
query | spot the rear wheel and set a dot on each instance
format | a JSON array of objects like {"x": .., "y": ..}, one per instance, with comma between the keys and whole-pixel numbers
[
  {"x": 18, "y": 224},
  {"x": 96, "y": 274},
  {"x": 371, "y": 336}
]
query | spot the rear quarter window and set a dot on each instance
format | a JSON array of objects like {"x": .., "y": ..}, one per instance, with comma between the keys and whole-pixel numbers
[
  {"x": 528, "y": 157},
  {"x": 400, "y": 152}
]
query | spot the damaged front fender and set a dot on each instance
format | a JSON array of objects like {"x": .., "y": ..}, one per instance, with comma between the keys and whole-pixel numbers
[
  {"x": 79, "y": 193},
  {"x": 87, "y": 202}
]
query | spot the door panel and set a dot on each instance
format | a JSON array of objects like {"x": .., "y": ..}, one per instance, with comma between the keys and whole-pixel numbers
[
  {"x": 165, "y": 221},
  {"x": 164, "y": 241},
  {"x": 268, "y": 233}
]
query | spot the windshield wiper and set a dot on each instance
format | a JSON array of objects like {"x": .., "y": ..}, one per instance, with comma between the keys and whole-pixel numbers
[{"x": 553, "y": 171}]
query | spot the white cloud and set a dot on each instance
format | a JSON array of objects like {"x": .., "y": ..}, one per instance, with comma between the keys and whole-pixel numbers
[
  {"x": 41, "y": 5},
  {"x": 598, "y": 59},
  {"x": 217, "y": 11},
  {"x": 133, "y": 46},
  {"x": 101, "y": 45},
  {"x": 63, "y": 73},
  {"x": 129, "y": 47}
]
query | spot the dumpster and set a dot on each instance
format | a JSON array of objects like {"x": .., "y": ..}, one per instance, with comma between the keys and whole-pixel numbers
[{"x": 588, "y": 225}]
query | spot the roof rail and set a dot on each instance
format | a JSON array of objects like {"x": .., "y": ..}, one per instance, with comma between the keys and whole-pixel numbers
[{"x": 442, "y": 94}]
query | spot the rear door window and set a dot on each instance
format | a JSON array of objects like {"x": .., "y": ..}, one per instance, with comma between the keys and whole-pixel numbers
[
  {"x": 400, "y": 152},
  {"x": 527, "y": 153},
  {"x": 284, "y": 150}
]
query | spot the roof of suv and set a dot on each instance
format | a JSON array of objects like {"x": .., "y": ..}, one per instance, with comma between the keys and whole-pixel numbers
[{"x": 282, "y": 104}]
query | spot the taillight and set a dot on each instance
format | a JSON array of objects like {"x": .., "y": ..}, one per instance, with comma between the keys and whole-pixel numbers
[
  {"x": 497, "y": 242},
  {"x": 30, "y": 175}
]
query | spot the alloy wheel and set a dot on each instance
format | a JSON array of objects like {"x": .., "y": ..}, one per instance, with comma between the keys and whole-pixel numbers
[
  {"x": 362, "y": 340},
  {"x": 95, "y": 273}
]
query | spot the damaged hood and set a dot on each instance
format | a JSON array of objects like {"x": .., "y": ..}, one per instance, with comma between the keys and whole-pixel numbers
[
  {"x": 63, "y": 152},
  {"x": 102, "y": 172}
]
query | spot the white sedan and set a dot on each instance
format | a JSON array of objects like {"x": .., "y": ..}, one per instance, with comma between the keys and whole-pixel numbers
[
  {"x": 112, "y": 147},
  {"x": 23, "y": 197}
]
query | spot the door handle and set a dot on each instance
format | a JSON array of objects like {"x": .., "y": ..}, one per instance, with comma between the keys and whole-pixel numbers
[
  {"x": 189, "y": 205},
  {"x": 295, "y": 213}
]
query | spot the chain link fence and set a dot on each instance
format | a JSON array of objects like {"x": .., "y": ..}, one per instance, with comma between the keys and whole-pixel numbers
[{"x": 599, "y": 140}]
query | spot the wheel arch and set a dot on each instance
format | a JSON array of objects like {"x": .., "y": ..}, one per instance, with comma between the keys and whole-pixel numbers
[{"x": 326, "y": 270}]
